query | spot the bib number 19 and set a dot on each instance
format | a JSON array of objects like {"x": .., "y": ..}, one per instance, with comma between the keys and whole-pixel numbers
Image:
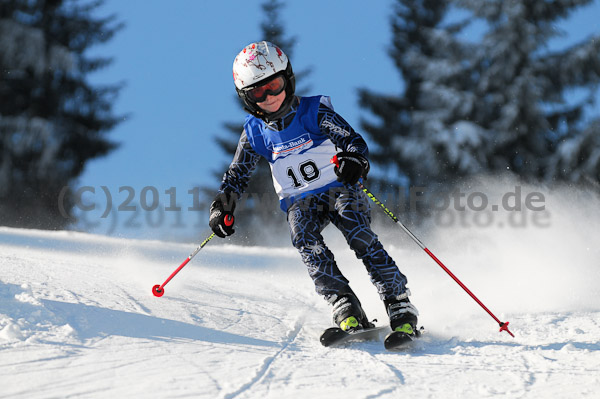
[{"x": 308, "y": 173}]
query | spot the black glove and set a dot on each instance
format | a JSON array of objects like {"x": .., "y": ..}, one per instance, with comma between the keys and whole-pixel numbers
[
  {"x": 221, "y": 214},
  {"x": 350, "y": 167}
]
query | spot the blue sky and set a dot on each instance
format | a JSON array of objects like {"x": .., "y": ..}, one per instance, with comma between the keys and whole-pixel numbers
[{"x": 175, "y": 58}]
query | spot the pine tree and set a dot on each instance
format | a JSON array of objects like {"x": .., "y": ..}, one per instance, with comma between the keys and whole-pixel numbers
[
  {"x": 394, "y": 130},
  {"x": 522, "y": 84},
  {"x": 423, "y": 135},
  {"x": 424, "y": 132},
  {"x": 260, "y": 204},
  {"x": 577, "y": 158},
  {"x": 52, "y": 120},
  {"x": 488, "y": 106}
]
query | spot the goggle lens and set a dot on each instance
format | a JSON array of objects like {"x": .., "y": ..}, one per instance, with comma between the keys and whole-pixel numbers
[{"x": 273, "y": 87}]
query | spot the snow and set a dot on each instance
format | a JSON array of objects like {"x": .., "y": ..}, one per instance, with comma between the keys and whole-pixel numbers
[
  {"x": 78, "y": 319},
  {"x": 21, "y": 48}
]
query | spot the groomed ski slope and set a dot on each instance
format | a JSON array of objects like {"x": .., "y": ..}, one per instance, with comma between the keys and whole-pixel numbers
[{"x": 77, "y": 318}]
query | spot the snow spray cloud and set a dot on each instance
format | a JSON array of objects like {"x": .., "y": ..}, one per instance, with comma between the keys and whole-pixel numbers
[{"x": 550, "y": 265}]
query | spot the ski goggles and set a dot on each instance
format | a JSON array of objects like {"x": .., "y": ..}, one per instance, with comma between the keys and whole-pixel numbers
[{"x": 273, "y": 87}]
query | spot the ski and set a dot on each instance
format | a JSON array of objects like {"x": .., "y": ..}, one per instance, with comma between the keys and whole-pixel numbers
[
  {"x": 335, "y": 336},
  {"x": 397, "y": 340}
]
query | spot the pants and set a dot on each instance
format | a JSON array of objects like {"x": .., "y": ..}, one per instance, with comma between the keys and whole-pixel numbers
[{"x": 348, "y": 209}]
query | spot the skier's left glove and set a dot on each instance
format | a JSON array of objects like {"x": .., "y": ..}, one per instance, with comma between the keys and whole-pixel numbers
[
  {"x": 221, "y": 214},
  {"x": 350, "y": 167}
]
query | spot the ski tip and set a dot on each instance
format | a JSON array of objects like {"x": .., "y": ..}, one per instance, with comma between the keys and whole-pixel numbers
[
  {"x": 399, "y": 341},
  {"x": 331, "y": 336}
]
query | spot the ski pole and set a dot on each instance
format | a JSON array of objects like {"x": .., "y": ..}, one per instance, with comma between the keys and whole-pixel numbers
[
  {"x": 503, "y": 325},
  {"x": 158, "y": 290}
]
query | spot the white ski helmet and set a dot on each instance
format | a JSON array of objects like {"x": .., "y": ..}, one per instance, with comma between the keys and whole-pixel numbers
[{"x": 256, "y": 64}]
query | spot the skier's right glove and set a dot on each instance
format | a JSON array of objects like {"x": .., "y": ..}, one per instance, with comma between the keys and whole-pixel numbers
[{"x": 221, "y": 214}]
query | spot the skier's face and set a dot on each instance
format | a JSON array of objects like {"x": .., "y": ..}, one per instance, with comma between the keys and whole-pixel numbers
[{"x": 272, "y": 103}]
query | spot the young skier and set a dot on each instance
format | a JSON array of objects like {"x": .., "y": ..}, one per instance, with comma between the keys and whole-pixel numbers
[{"x": 299, "y": 136}]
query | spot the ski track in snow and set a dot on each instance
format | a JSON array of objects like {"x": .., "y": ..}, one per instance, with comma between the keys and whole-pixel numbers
[
  {"x": 263, "y": 371},
  {"x": 78, "y": 320}
]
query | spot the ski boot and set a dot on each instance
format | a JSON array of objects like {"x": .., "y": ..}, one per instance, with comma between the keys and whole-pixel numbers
[
  {"x": 348, "y": 313},
  {"x": 402, "y": 313}
]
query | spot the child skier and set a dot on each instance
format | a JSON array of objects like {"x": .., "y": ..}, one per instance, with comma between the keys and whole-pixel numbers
[{"x": 299, "y": 136}]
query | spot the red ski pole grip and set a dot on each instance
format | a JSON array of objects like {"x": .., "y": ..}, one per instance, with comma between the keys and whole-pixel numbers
[
  {"x": 228, "y": 220},
  {"x": 335, "y": 161}
]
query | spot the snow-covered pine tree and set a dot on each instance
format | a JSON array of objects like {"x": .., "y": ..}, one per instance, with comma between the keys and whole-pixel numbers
[
  {"x": 446, "y": 142},
  {"x": 498, "y": 103},
  {"x": 393, "y": 132},
  {"x": 424, "y": 136},
  {"x": 260, "y": 206},
  {"x": 577, "y": 158},
  {"x": 52, "y": 120},
  {"x": 523, "y": 87}
]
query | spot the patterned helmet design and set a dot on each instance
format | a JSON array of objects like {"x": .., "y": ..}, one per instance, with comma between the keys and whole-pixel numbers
[
  {"x": 256, "y": 62},
  {"x": 259, "y": 62}
]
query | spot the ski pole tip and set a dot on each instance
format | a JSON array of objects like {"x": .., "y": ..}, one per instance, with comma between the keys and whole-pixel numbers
[
  {"x": 157, "y": 291},
  {"x": 504, "y": 327}
]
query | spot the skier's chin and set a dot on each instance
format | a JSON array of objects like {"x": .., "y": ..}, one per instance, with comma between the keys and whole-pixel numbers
[
  {"x": 272, "y": 104},
  {"x": 269, "y": 108}
]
